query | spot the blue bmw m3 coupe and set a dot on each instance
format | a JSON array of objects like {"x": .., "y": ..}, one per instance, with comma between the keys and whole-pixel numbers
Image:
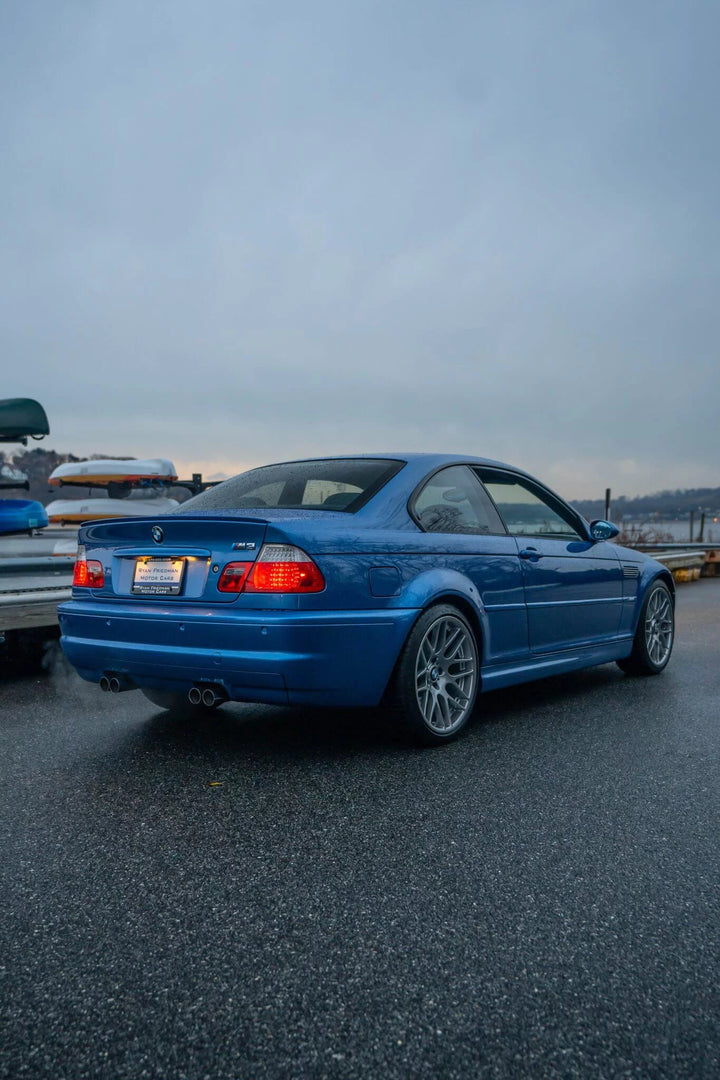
[{"x": 415, "y": 579}]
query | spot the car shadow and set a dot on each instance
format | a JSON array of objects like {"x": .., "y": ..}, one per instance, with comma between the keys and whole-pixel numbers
[
  {"x": 277, "y": 731},
  {"x": 291, "y": 733},
  {"x": 557, "y": 689}
]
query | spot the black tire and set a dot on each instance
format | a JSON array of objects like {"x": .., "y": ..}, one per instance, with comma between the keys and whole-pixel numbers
[
  {"x": 655, "y": 634},
  {"x": 435, "y": 692},
  {"x": 177, "y": 704}
]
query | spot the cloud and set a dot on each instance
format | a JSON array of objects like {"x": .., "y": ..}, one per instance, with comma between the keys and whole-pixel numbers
[{"x": 250, "y": 232}]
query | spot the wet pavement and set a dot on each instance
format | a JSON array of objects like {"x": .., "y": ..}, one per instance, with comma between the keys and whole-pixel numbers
[{"x": 285, "y": 893}]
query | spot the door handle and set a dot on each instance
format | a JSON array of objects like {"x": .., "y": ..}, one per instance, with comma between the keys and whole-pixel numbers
[{"x": 530, "y": 553}]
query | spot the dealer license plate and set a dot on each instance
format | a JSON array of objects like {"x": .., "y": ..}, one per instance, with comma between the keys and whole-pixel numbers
[{"x": 158, "y": 577}]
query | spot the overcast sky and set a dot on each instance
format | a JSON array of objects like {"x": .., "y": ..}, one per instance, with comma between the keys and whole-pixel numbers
[{"x": 236, "y": 232}]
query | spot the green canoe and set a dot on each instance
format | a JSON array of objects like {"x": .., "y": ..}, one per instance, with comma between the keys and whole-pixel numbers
[{"x": 20, "y": 417}]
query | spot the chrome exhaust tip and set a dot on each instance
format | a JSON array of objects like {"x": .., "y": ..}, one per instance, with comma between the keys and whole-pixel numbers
[
  {"x": 194, "y": 695},
  {"x": 209, "y": 697},
  {"x": 116, "y": 684}
]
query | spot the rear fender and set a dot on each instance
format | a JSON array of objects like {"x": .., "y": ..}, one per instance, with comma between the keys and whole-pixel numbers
[{"x": 441, "y": 584}]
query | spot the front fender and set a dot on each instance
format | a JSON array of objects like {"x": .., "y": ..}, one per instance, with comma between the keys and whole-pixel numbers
[{"x": 651, "y": 571}]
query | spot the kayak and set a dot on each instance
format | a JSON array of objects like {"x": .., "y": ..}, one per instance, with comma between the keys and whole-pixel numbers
[
  {"x": 20, "y": 417},
  {"x": 110, "y": 471},
  {"x": 21, "y": 515},
  {"x": 71, "y": 511},
  {"x": 12, "y": 478}
]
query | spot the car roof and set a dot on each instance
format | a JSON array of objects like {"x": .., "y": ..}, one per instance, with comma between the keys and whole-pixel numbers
[
  {"x": 416, "y": 467},
  {"x": 382, "y": 508},
  {"x": 429, "y": 459}
]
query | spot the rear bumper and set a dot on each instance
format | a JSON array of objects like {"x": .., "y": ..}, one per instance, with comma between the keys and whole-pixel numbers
[{"x": 341, "y": 658}]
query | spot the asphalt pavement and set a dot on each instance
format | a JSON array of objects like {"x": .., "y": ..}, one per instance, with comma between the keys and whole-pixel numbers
[{"x": 283, "y": 893}]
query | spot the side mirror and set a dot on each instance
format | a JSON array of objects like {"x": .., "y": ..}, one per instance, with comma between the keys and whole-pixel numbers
[{"x": 603, "y": 530}]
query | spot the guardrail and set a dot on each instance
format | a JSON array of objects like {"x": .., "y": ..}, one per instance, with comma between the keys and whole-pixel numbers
[
  {"x": 680, "y": 546},
  {"x": 688, "y": 562},
  {"x": 37, "y": 564},
  {"x": 31, "y": 587}
]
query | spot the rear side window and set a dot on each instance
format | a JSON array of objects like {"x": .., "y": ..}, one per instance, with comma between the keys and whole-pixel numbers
[
  {"x": 452, "y": 501},
  {"x": 343, "y": 484}
]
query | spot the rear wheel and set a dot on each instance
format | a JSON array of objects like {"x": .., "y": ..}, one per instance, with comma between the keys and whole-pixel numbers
[
  {"x": 436, "y": 681},
  {"x": 655, "y": 633},
  {"x": 176, "y": 703}
]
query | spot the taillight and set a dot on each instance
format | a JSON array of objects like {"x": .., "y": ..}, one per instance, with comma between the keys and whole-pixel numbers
[
  {"x": 279, "y": 568},
  {"x": 88, "y": 574},
  {"x": 233, "y": 577}
]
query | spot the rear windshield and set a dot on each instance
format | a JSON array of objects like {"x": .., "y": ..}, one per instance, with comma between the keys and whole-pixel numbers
[{"x": 343, "y": 484}]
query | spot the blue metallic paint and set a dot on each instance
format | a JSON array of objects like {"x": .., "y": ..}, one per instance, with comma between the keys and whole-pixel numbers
[
  {"x": 573, "y": 592},
  {"x": 326, "y": 658},
  {"x": 566, "y": 606}
]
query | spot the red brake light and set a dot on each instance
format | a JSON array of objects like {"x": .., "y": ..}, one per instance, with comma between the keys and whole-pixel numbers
[
  {"x": 285, "y": 577},
  {"x": 280, "y": 568},
  {"x": 233, "y": 577},
  {"x": 88, "y": 575}
]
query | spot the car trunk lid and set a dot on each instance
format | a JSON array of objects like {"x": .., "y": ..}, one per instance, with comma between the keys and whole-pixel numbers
[{"x": 170, "y": 558}]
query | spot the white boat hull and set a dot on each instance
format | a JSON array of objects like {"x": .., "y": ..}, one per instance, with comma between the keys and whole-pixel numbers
[
  {"x": 72, "y": 511},
  {"x": 109, "y": 471}
]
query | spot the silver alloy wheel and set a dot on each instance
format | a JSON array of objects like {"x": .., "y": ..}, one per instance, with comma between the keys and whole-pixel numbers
[
  {"x": 659, "y": 627},
  {"x": 445, "y": 674}
]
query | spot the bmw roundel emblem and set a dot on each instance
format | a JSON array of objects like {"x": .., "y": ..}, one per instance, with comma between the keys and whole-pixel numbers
[{"x": 157, "y": 534}]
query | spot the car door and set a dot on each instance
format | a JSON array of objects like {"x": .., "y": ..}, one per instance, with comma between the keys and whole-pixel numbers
[
  {"x": 464, "y": 529},
  {"x": 573, "y": 585}
]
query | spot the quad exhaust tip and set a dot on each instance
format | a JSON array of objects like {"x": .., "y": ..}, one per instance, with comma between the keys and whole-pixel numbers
[{"x": 194, "y": 695}]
